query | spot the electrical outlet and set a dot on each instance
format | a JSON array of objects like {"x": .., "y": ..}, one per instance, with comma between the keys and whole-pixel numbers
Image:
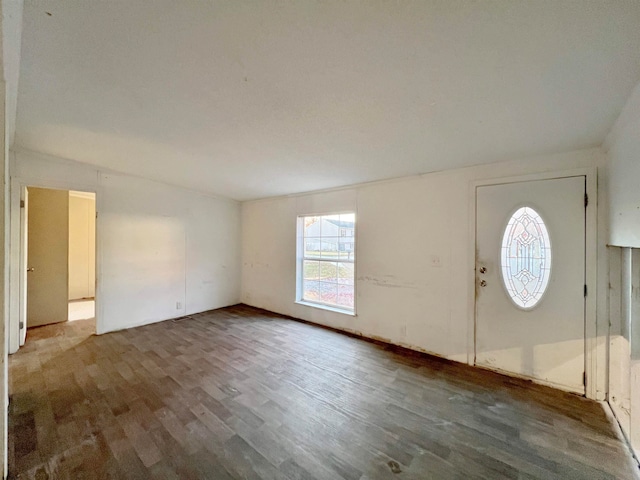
[
  {"x": 435, "y": 261},
  {"x": 178, "y": 305}
]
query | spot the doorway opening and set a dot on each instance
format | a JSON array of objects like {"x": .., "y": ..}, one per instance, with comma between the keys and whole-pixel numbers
[
  {"x": 82, "y": 255},
  {"x": 58, "y": 256}
]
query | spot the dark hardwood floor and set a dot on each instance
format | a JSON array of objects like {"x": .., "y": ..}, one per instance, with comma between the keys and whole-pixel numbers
[{"x": 243, "y": 393}]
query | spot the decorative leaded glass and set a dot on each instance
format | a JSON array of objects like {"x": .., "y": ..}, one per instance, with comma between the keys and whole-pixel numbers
[{"x": 526, "y": 257}]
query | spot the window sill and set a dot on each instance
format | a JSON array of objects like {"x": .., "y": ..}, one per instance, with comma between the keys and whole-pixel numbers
[{"x": 326, "y": 307}]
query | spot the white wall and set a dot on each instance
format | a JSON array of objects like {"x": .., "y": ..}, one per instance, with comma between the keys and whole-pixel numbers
[
  {"x": 401, "y": 226},
  {"x": 623, "y": 149},
  {"x": 4, "y": 278},
  {"x": 623, "y": 153},
  {"x": 157, "y": 245},
  {"x": 624, "y": 378},
  {"x": 621, "y": 280}
]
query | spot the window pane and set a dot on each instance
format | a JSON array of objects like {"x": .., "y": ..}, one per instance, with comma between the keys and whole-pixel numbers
[
  {"x": 312, "y": 226},
  {"x": 346, "y": 248},
  {"x": 328, "y": 292},
  {"x": 345, "y": 296},
  {"x": 346, "y": 273},
  {"x": 312, "y": 247},
  {"x": 339, "y": 255},
  {"x": 310, "y": 290},
  {"x": 352, "y": 254},
  {"x": 330, "y": 247},
  {"x": 346, "y": 240},
  {"x": 328, "y": 272},
  {"x": 311, "y": 270}
]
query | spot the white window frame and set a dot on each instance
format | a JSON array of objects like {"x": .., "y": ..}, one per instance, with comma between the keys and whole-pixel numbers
[{"x": 300, "y": 249}]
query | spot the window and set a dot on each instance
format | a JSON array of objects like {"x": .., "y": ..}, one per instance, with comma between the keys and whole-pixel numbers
[
  {"x": 327, "y": 261},
  {"x": 526, "y": 257}
]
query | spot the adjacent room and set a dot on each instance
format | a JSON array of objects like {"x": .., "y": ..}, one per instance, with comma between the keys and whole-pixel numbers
[{"x": 320, "y": 239}]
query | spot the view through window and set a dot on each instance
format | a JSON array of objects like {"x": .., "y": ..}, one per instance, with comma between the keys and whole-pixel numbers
[{"x": 328, "y": 260}]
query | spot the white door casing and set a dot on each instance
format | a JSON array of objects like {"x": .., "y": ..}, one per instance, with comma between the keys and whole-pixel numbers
[
  {"x": 24, "y": 232},
  {"x": 18, "y": 247},
  {"x": 547, "y": 342}
]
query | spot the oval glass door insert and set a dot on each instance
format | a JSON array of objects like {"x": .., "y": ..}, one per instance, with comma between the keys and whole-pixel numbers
[{"x": 526, "y": 257}]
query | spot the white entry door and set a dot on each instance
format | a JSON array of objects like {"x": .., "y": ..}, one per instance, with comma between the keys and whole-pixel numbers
[{"x": 530, "y": 280}]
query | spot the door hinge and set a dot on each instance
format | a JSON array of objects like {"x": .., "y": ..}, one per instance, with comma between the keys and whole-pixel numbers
[
  {"x": 584, "y": 378},
  {"x": 585, "y": 290},
  {"x": 21, "y": 325},
  {"x": 586, "y": 200},
  {"x": 21, "y": 203}
]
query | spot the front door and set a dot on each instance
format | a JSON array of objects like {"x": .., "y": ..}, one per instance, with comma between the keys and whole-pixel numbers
[{"x": 530, "y": 280}]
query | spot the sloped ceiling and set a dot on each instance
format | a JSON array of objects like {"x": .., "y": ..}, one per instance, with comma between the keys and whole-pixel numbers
[{"x": 249, "y": 99}]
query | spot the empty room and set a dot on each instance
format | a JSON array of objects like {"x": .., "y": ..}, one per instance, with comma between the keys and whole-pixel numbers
[{"x": 320, "y": 239}]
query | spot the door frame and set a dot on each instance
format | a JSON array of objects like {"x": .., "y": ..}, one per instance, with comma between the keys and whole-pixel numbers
[
  {"x": 17, "y": 294},
  {"x": 594, "y": 348},
  {"x": 24, "y": 261}
]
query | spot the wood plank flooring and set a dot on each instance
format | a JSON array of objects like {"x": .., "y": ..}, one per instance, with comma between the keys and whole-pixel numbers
[{"x": 244, "y": 393}]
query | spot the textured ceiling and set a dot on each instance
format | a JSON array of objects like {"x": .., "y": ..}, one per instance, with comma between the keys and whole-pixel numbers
[{"x": 249, "y": 99}]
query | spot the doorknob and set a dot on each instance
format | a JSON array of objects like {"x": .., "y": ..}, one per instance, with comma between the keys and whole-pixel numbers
[
  {"x": 31, "y": 269},
  {"x": 483, "y": 269},
  {"x": 483, "y": 283}
]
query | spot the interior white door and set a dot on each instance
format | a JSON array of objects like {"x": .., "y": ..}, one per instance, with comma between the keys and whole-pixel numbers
[
  {"x": 530, "y": 308},
  {"x": 48, "y": 266}
]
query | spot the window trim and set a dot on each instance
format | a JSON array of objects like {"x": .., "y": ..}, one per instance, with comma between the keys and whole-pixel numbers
[
  {"x": 326, "y": 306},
  {"x": 300, "y": 258}
]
